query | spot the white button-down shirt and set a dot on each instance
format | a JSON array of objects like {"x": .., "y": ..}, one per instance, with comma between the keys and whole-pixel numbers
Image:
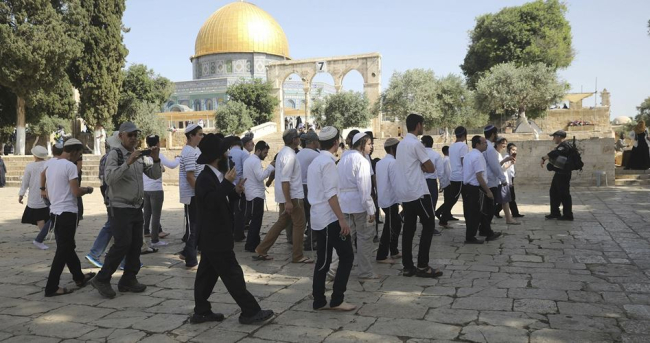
[
  {"x": 436, "y": 158},
  {"x": 445, "y": 173},
  {"x": 323, "y": 184},
  {"x": 238, "y": 156},
  {"x": 287, "y": 169},
  {"x": 305, "y": 157},
  {"x": 473, "y": 163},
  {"x": 456, "y": 153},
  {"x": 494, "y": 172},
  {"x": 511, "y": 171},
  {"x": 410, "y": 157},
  {"x": 355, "y": 184},
  {"x": 386, "y": 182},
  {"x": 255, "y": 176}
]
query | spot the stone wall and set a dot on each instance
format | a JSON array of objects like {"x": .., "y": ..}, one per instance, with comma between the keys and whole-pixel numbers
[{"x": 559, "y": 119}]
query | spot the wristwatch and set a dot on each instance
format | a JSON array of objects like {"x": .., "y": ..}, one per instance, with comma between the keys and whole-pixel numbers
[{"x": 42, "y": 188}]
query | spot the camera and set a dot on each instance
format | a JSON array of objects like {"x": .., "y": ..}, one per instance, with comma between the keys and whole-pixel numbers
[{"x": 145, "y": 152}]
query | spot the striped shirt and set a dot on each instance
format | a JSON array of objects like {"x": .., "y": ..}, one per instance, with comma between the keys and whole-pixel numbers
[{"x": 189, "y": 155}]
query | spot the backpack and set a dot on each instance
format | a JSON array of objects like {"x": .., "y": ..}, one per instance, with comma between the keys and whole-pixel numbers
[
  {"x": 574, "y": 160},
  {"x": 102, "y": 166}
]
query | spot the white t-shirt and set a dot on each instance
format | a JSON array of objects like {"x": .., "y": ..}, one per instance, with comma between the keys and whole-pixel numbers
[
  {"x": 410, "y": 157},
  {"x": 32, "y": 183},
  {"x": 58, "y": 176},
  {"x": 189, "y": 155},
  {"x": 323, "y": 184},
  {"x": 456, "y": 152},
  {"x": 287, "y": 169},
  {"x": 474, "y": 163},
  {"x": 436, "y": 158},
  {"x": 255, "y": 176},
  {"x": 305, "y": 157}
]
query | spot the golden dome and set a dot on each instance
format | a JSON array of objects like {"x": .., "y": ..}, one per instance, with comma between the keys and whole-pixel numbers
[{"x": 241, "y": 27}]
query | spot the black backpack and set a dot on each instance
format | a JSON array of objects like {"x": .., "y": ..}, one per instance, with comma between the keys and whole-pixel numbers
[
  {"x": 574, "y": 160},
  {"x": 102, "y": 167}
]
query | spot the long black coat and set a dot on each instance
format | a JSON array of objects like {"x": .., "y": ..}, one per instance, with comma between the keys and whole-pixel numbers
[{"x": 214, "y": 216}]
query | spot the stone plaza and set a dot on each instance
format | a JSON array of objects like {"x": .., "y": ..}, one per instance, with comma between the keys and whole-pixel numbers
[{"x": 544, "y": 281}]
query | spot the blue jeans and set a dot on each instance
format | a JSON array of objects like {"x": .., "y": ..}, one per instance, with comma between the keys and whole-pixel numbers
[
  {"x": 41, "y": 235},
  {"x": 101, "y": 242}
]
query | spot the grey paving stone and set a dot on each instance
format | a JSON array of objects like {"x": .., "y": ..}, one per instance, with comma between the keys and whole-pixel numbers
[
  {"x": 325, "y": 320},
  {"x": 497, "y": 334},
  {"x": 355, "y": 336},
  {"x": 77, "y": 313},
  {"x": 533, "y": 293},
  {"x": 582, "y": 323},
  {"x": 296, "y": 334},
  {"x": 511, "y": 319},
  {"x": 636, "y": 326},
  {"x": 535, "y": 306},
  {"x": 554, "y": 336},
  {"x": 452, "y": 316},
  {"x": 32, "y": 339},
  {"x": 585, "y": 309},
  {"x": 479, "y": 303},
  {"x": 638, "y": 311},
  {"x": 59, "y": 328},
  {"x": 211, "y": 335},
  {"x": 126, "y": 336},
  {"x": 551, "y": 284},
  {"x": 414, "y": 328},
  {"x": 160, "y": 323}
]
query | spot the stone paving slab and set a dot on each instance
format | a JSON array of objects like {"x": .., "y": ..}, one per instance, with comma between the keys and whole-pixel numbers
[{"x": 543, "y": 282}]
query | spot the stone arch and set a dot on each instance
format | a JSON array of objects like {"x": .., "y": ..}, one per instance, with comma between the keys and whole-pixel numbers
[{"x": 368, "y": 65}]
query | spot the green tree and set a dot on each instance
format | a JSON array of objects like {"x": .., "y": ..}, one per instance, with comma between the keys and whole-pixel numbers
[
  {"x": 97, "y": 72},
  {"x": 644, "y": 111},
  {"x": 146, "y": 118},
  {"x": 141, "y": 85},
  {"x": 536, "y": 32},
  {"x": 343, "y": 110},
  {"x": 521, "y": 91},
  {"x": 37, "y": 46},
  {"x": 256, "y": 95},
  {"x": 455, "y": 102},
  {"x": 233, "y": 118},
  {"x": 411, "y": 91}
]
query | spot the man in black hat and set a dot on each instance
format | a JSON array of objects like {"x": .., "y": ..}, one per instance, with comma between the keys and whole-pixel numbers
[
  {"x": 559, "y": 192},
  {"x": 215, "y": 237}
]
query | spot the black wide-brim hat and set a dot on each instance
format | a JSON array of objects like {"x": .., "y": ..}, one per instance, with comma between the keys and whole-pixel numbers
[{"x": 212, "y": 147}]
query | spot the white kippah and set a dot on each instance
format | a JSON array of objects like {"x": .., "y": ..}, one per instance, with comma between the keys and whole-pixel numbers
[
  {"x": 390, "y": 142},
  {"x": 39, "y": 151},
  {"x": 358, "y": 136},
  {"x": 190, "y": 127},
  {"x": 72, "y": 141},
  {"x": 327, "y": 133}
]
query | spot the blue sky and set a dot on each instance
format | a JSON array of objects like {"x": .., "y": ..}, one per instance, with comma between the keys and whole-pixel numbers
[{"x": 610, "y": 38}]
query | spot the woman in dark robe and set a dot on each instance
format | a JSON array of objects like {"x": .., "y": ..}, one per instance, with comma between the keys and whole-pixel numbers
[
  {"x": 3, "y": 171},
  {"x": 640, "y": 156}
]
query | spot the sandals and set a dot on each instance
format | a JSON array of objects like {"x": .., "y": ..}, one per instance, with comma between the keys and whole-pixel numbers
[
  {"x": 148, "y": 251},
  {"x": 87, "y": 277},
  {"x": 305, "y": 260},
  {"x": 60, "y": 291},
  {"x": 163, "y": 234},
  {"x": 262, "y": 258},
  {"x": 428, "y": 273}
]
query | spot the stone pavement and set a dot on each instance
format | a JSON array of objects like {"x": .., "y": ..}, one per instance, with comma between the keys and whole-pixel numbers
[{"x": 545, "y": 281}]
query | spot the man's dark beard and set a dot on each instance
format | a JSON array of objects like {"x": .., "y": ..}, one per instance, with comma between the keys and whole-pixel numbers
[{"x": 222, "y": 165}]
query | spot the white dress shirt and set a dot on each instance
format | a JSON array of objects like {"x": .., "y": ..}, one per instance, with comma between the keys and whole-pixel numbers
[
  {"x": 410, "y": 157},
  {"x": 493, "y": 168},
  {"x": 305, "y": 157},
  {"x": 238, "y": 156},
  {"x": 510, "y": 171},
  {"x": 355, "y": 184},
  {"x": 386, "y": 182},
  {"x": 456, "y": 153},
  {"x": 436, "y": 158},
  {"x": 32, "y": 182},
  {"x": 443, "y": 177},
  {"x": 255, "y": 176},
  {"x": 473, "y": 163},
  {"x": 323, "y": 184},
  {"x": 287, "y": 169}
]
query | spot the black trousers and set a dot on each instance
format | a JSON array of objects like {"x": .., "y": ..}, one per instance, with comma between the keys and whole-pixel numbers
[
  {"x": 329, "y": 239},
  {"x": 390, "y": 235},
  {"x": 311, "y": 238},
  {"x": 513, "y": 202},
  {"x": 222, "y": 264},
  {"x": 487, "y": 212},
  {"x": 432, "y": 184},
  {"x": 238, "y": 206},
  {"x": 65, "y": 227},
  {"x": 422, "y": 208},
  {"x": 560, "y": 193},
  {"x": 255, "y": 213},
  {"x": 472, "y": 196},
  {"x": 189, "y": 251},
  {"x": 127, "y": 225},
  {"x": 451, "y": 193}
]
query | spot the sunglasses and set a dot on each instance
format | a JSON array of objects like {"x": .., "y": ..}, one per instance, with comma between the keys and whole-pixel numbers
[{"x": 133, "y": 134}]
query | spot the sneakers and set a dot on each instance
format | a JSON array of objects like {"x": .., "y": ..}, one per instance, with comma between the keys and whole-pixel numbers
[
  {"x": 552, "y": 216},
  {"x": 566, "y": 218},
  {"x": 41, "y": 246},
  {"x": 494, "y": 236},
  {"x": 260, "y": 317},
  {"x": 131, "y": 285},
  {"x": 210, "y": 317},
  {"x": 104, "y": 288},
  {"x": 158, "y": 244},
  {"x": 94, "y": 262}
]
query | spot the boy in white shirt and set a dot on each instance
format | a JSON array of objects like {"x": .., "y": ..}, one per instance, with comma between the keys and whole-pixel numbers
[
  {"x": 256, "y": 192},
  {"x": 387, "y": 199}
]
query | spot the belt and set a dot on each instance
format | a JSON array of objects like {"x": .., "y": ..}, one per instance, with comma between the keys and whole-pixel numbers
[
  {"x": 469, "y": 185},
  {"x": 346, "y": 190}
]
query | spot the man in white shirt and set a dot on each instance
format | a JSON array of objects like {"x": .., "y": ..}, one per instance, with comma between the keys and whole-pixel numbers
[
  {"x": 188, "y": 171},
  {"x": 305, "y": 156},
  {"x": 289, "y": 194},
  {"x": 412, "y": 160},
  {"x": 474, "y": 186},
  {"x": 432, "y": 178},
  {"x": 329, "y": 224},
  {"x": 356, "y": 201},
  {"x": 495, "y": 177},
  {"x": 62, "y": 191},
  {"x": 456, "y": 153},
  {"x": 445, "y": 172},
  {"x": 256, "y": 192},
  {"x": 387, "y": 179},
  {"x": 238, "y": 155}
]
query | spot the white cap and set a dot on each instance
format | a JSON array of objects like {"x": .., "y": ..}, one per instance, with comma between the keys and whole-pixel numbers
[
  {"x": 357, "y": 137},
  {"x": 39, "y": 151},
  {"x": 72, "y": 141},
  {"x": 190, "y": 127},
  {"x": 327, "y": 133}
]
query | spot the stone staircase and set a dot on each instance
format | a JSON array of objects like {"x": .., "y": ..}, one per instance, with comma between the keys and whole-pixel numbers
[
  {"x": 632, "y": 177},
  {"x": 16, "y": 168}
]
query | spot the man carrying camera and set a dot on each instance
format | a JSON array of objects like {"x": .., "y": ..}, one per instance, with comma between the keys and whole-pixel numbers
[{"x": 126, "y": 196}]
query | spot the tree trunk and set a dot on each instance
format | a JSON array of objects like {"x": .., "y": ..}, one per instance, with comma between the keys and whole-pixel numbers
[
  {"x": 20, "y": 126},
  {"x": 38, "y": 138}
]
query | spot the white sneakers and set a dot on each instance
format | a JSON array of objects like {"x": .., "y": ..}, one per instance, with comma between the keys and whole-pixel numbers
[
  {"x": 41, "y": 246},
  {"x": 159, "y": 244}
]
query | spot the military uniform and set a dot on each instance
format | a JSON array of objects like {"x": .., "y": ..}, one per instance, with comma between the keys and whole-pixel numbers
[{"x": 560, "y": 186}]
